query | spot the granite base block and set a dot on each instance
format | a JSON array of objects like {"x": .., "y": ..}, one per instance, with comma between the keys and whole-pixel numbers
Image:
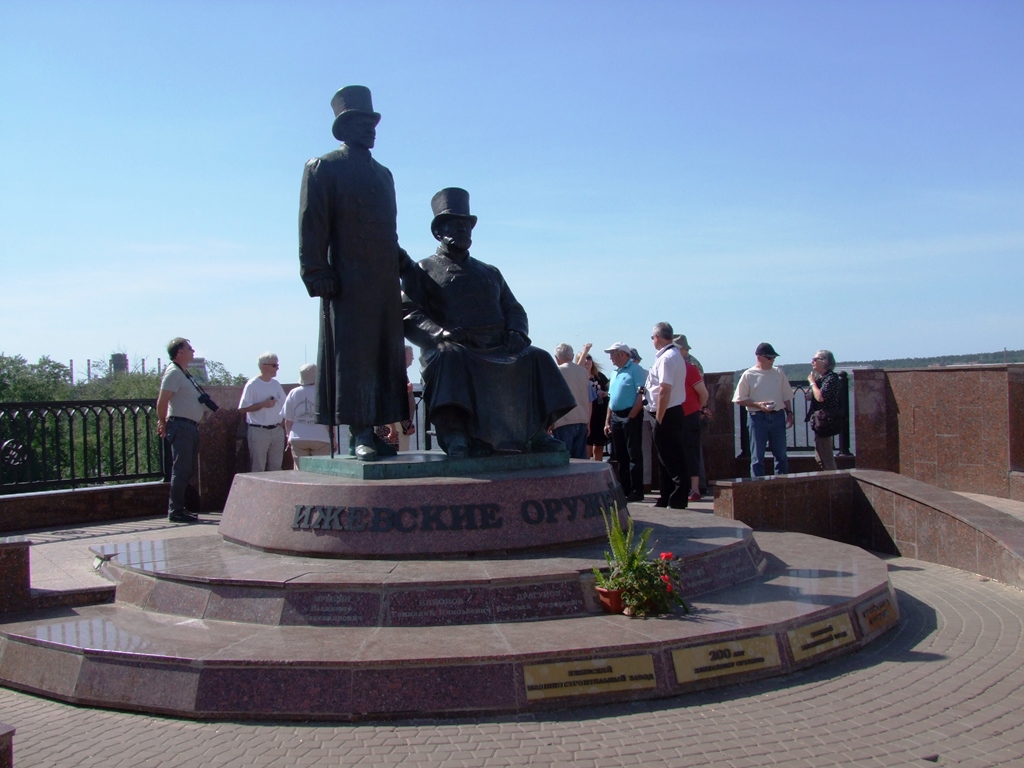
[{"x": 331, "y": 516}]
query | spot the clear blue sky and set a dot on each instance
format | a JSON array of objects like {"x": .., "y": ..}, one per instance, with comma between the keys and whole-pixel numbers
[{"x": 813, "y": 174}]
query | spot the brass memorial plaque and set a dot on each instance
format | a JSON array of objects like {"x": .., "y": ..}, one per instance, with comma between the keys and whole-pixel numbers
[
  {"x": 577, "y": 678},
  {"x": 878, "y": 614},
  {"x": 725, "y": 658},
  {"x": 821, "y": 636}
]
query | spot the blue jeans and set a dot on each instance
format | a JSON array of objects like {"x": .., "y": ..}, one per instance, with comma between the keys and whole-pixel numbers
[
  {"x": 575, "y": 438},
  {"x": 768, "y": 430}
]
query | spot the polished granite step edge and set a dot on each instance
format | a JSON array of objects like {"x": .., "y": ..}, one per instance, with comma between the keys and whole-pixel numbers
[
  {"x": 664, "y": 658},
  {"x": 391, "y": 603}
]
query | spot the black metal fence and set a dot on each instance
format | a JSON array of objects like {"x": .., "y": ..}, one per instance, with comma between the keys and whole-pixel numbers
[
  {"x": 801, "y": 436},
  {"x": 67, "y": 444}
]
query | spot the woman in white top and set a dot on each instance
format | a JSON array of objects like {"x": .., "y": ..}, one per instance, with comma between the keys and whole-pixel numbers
[{"x": 305, "y": 436}]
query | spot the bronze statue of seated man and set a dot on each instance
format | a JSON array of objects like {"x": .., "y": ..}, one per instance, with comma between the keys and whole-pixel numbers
[{"x": 485, "y": 388}]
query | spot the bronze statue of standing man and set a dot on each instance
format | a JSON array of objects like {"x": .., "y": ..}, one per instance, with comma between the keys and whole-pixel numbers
[{"x": 350, "y": 257}]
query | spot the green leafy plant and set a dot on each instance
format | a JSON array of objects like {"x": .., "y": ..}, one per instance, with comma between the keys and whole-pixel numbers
[{"x": 648, "y": 586}]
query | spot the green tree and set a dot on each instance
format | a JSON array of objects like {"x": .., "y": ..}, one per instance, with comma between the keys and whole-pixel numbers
[
  {"x": 121, "y": 386},
  {"x": 219, "y": 375},
  {"x": 21, "y": 381}
]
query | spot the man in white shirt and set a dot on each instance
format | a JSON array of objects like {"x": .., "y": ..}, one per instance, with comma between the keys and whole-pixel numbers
[
  {"x": 262, "y": 402},
  {"x": 571, "y": 429},
  {"x": 666, "y": 391},
  {"x": 765, "y": 392}
]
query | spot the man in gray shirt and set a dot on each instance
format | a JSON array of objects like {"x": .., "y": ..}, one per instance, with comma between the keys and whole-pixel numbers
[{"x": 178, "y": 413}]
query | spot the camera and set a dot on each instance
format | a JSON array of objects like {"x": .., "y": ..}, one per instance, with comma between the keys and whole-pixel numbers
[{"x": 206, "y": 400}]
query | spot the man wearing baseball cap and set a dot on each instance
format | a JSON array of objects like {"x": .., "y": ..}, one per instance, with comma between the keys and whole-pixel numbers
[
  {"x": 625, "y": 420},
  {"x": 765, "y": 392}
]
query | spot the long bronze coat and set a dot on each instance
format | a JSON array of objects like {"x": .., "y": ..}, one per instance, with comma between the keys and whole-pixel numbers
[
  {"x": 347, "y": 226},
  {"x": 507, "y": 397}
]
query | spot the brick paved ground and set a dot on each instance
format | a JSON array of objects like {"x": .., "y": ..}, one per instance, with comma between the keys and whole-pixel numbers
[{"x": 944, "y": 688}]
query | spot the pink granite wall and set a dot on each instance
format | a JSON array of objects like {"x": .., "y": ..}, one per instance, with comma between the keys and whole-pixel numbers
[
  {"x": 222, "y": 449},
  {"x": 718, "y": 438},
  {"x": 14, "y": 574},
  {"x": 961, "y": 429},
  {"x": 882, "y": 512}
]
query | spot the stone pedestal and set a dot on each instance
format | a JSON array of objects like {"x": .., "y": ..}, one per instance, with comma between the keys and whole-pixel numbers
[{"x": 422, "y": 504}]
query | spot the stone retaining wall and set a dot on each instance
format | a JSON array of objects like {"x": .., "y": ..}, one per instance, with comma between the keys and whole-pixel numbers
[
  {"x": 882, "y": 512},
  {"x": 25, "y": 511},
  {"x": 958, "y": 428}
]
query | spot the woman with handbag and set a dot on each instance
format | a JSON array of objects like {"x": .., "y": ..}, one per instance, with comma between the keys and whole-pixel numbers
[{"x": 826, "y": 408}]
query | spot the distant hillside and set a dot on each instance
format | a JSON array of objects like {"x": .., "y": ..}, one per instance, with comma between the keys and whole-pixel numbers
[{"x": 794, "y": 372}]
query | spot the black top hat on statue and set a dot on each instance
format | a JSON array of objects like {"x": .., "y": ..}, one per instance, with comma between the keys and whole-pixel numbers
[
  {"x": 450, "y": 202},
  {"x": 352, "y": 99}
]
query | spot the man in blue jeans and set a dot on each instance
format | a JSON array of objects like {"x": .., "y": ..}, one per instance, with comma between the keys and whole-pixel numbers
[{"x": 765, "y": 392}]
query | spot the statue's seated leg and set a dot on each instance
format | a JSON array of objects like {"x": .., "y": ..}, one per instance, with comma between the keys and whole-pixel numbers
[
  {"x": 363, "y": 438},
  {"x": 453, "y": 433},
  {"x": 456, "y": 445},
  {"x": 542, "y": 442}
]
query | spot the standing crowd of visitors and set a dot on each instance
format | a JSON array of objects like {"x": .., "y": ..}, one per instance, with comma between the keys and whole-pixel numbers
[{"x": 663, "y": 407}]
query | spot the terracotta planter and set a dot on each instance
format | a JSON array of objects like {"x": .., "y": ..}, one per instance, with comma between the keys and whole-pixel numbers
[{"x": 611, "y": 599}]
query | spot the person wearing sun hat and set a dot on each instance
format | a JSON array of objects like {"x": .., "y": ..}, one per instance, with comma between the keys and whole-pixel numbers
[
  {"x": 625, "y": 420},
  {"x": 765, "y": 392},
  {"x": 349, "y": 257}
]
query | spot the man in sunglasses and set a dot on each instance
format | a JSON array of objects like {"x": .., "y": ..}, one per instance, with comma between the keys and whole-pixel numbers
[{"x": 262, "y": 402}]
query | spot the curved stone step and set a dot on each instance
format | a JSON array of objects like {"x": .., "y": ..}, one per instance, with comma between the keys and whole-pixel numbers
[
  {"x": 817, "y": 599},
  {"x": 207, "y": 578}
]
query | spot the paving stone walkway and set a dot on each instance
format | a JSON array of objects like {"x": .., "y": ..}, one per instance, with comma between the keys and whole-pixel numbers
[{"x": 946, "y": 687}]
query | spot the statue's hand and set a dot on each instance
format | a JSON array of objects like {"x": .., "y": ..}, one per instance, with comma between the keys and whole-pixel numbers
[
  {"x": 515, "y": 342},
  {"x": 455, "y": 335},
  {"x": 324, "y": 286}
]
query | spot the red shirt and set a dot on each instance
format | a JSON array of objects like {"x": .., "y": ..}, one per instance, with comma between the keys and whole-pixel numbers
[{"x": 692, "y": 402}]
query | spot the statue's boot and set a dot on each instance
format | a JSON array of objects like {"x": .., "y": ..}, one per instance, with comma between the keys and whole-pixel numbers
[
  {"x": 545, "y": 443},
  {"x": 384, "y": 448},
  {"x": 364, "y": 444},
  {"x": 457, "y": 445}
]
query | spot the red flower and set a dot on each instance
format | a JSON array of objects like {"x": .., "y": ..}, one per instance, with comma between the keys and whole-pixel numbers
[
  {"x": 667, "y": 556},
  {"x": 667, "y": 579}
]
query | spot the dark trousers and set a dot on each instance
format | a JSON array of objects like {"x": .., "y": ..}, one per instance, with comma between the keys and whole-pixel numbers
[
  {"x": 627, "y": 445},
  {"x": 183, "y": 439},
  {"x": 691, "y": 443},
  {"x": 668, "y": 440}
]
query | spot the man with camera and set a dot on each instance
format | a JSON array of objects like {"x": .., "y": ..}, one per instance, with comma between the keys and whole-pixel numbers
[{"x": 180, "y": 407}]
